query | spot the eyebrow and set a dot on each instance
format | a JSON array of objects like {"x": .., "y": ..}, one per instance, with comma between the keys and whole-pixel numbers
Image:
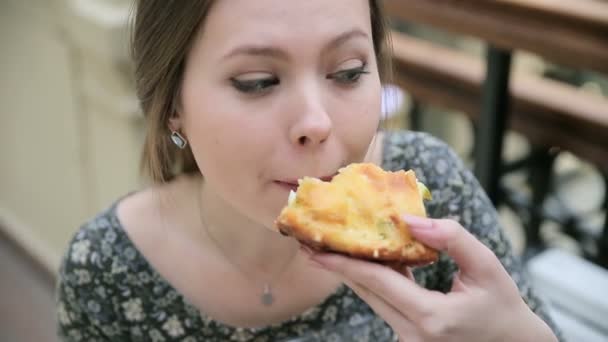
[{"x": 274, "y": 52}]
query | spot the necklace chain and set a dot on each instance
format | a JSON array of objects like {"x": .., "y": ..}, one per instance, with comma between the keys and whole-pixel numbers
[{"x": 267, "y": 297}]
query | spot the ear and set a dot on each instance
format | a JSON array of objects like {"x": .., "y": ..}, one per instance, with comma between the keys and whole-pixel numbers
[
  {"x": 175, "y": 123},
  {"x": 175, "y": 120}
]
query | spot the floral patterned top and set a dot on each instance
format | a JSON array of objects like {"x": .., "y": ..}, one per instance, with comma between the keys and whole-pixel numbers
[{"x": 107, "y": 290}]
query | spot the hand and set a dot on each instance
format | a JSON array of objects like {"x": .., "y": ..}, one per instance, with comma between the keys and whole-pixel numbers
[{"x": 483, "y": 305}]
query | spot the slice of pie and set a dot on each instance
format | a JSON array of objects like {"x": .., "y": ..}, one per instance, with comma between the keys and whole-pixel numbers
[{"x": 358, "y": 214}]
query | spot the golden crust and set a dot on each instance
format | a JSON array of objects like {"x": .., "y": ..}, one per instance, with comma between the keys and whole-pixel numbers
[{"x": 357, "y": 214}]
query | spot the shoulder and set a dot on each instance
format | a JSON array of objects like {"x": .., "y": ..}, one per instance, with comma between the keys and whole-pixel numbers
[
  {"x": 91, "y": 245},
  {"x": 86, "y": 282},
  {"x": 97, "y": 252},
  {"x": 455, "y": 191},
  {"x": 436, "y": 164},
  {"x": 104, "y": 284},
  {"x": 101, "y": 253}
]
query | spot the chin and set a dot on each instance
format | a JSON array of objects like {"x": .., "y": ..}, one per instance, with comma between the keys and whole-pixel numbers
[{"x": 264, "y": 210}]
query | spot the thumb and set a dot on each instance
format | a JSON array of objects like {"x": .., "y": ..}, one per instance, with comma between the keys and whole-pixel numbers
[{"x": 476, "y": 261}]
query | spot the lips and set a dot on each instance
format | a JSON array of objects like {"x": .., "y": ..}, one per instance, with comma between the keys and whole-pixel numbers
[
  {"x": 328, "y": 178},
  {"x": 293, "y": 184},
  {"x": 287, "y": 186}
]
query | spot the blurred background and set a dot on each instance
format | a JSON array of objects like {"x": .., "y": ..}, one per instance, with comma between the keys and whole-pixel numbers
[{"x": 517, "y": 87}]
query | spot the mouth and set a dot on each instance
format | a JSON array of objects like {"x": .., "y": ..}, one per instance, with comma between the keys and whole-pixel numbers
[
  {"x": 292, "y": 184},
  {"x": 287, "y": 185}
]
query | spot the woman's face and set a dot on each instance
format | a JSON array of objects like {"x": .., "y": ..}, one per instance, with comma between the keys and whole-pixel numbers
[{"x": 275, "y": 90}]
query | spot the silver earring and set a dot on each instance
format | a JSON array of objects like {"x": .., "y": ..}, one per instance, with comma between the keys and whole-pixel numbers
[{"x": 179, "y": 140}]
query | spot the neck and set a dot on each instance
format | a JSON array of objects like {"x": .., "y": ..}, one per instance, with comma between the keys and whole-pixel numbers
[{"x": 248, "y": 244}]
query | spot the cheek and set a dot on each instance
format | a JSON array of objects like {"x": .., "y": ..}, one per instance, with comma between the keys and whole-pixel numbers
[
  {"x": 230, "y": 163},
  {"x": 359, "y": 122},
  {"x": 221, "y": 127},
  {"x": 222, "y": 145},
  {"x": 232, "y": 150}
]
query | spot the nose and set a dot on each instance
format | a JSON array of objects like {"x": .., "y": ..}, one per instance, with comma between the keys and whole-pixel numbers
[{"x": 313, "y": 125}]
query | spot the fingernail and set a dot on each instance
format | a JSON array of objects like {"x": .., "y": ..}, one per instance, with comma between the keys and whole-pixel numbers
[{"x": 417, "y": 222}]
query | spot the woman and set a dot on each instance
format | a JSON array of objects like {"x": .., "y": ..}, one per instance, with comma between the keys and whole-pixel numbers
[{"x": 241, "y": 99}]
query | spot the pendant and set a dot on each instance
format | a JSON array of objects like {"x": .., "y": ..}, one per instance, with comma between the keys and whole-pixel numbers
[{"x": 267, "y": 297}]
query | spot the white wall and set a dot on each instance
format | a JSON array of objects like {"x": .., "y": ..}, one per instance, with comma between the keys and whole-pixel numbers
[{"x": 69, "y": 128}]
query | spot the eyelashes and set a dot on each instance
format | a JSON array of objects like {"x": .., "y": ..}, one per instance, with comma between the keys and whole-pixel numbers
[
  {"x": 349, "y": 76},
  {"x": 345, "y": 77},
  {"x": 255, "y": 86}
]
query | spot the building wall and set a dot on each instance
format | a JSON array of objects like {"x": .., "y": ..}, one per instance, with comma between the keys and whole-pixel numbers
[{"x": 69, "y": 127}]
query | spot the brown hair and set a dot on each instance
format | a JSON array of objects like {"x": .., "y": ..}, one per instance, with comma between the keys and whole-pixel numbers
[{"x": 163, "y": 32}]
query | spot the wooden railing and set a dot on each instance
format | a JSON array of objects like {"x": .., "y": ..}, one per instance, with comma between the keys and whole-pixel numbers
[
  {"x": 569, "y": 32},
  {"x": 549, "y": 114},
  {"x": 545, "y": 111}
]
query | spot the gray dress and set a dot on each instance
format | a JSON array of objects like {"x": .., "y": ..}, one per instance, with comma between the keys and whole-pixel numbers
[{"x": 108, "y": 291}]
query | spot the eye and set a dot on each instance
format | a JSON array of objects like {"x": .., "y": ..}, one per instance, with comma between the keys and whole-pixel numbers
[
  {"x": 254, "y": 83},
  {"x": 349, "y": 75}
]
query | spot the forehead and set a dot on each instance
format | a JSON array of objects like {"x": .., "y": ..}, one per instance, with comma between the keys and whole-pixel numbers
[{"x": 231, "y": 22}]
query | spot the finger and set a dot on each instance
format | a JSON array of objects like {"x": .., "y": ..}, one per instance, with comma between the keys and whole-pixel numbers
[
  {"x": 457, "y": 284},
  {"x": 403, "y": 270},
  {"x": 412, "y": 300},
  {"x": 475, "y": 260},
  {"x": 400, "y": 324},
  {"x": 407, "y": 272}
]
